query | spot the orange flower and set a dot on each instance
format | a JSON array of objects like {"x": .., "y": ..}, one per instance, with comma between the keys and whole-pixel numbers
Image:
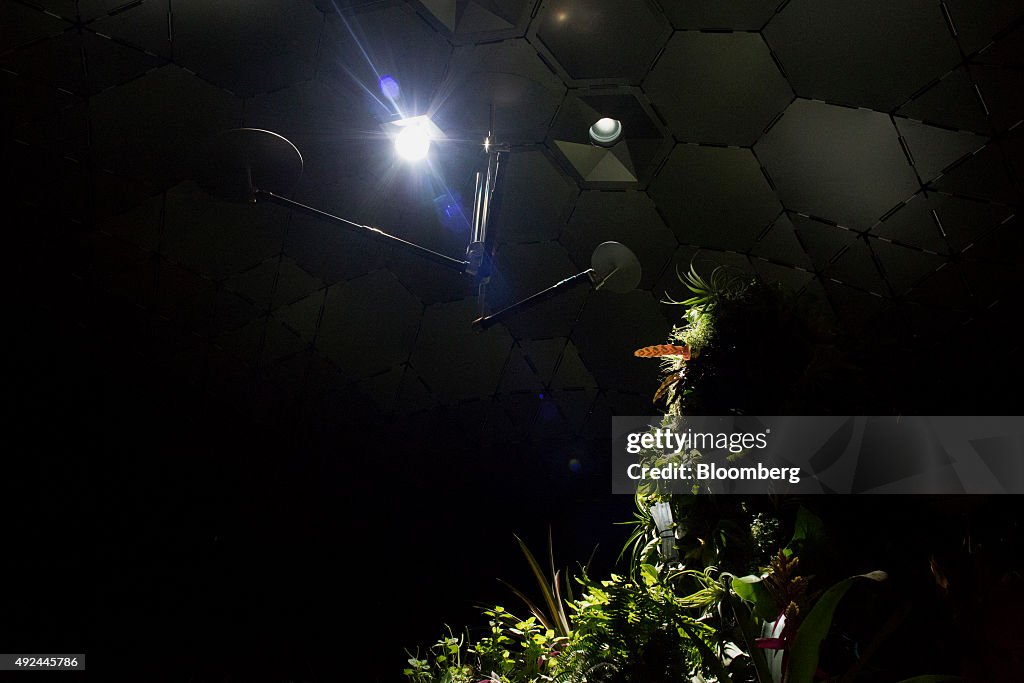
[{"x": 664, "y": 350}]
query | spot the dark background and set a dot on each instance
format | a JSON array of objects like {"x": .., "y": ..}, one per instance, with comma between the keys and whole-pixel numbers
[{"x": 248, "y": 445}]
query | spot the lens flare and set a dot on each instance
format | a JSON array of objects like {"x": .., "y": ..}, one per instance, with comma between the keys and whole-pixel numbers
[
  {"x": 389, "y": 87},
  {"x": 450, "y": 211}
]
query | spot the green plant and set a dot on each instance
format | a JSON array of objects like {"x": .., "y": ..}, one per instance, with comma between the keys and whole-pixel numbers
[
  {"x": 443, "y": 662},
  {"x": 751, "y": 349},
  {"x": 734, "y": 605},
  {"x": 553, "y": 616},
  {"x": 642, "y": 543},
  {"x": 722, "y": 531},
  {"x": 807, "y": 640},
  {"x": 723, "y": 284},
  {"x": 517, "y": 650},
  {"x": 628, "y": 630},
  {"x": 513, "y": 650}
]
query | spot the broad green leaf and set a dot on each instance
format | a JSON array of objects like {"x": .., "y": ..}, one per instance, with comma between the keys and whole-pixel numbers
[
  {"x": 803, "y": 656},
  {"x": 649, "y": 573},
  {"x": 752, "y": 589},
  {"x": 807, "y": 528}
]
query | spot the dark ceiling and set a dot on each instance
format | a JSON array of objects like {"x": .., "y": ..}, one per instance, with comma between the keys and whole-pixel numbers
[
  {"x": 868, "y": 156},
  {"x": 864, "y": 155}
]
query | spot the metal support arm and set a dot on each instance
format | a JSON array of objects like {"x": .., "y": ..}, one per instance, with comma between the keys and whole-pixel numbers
[{"x": 370, "y": 232}]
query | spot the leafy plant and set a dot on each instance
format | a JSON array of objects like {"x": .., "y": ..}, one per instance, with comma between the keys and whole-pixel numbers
[
  {"x": 516, "y": 649},
  {"x": 513, "y": 651},
  {"x": 734, "y": 605},
  {"x": 723, "y": 284},
  {"x": 627, "y": 630},
  {"x": 443, "y": 662},
  {"x": 553, "y": 615},
  {"x": 643, "y": 541},
  {"x": 751, "y": 350},
  {"x": 806, "y": 647}
]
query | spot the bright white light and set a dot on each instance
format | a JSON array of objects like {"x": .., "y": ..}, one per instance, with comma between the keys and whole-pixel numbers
[
  {"x": 413, "y": 142},
  {"x": 606, "y": 131},
  {"x": 413, "y": 136}
]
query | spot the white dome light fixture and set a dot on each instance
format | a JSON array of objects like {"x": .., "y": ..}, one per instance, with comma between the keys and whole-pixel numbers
[{"x": 606, "y": 132}]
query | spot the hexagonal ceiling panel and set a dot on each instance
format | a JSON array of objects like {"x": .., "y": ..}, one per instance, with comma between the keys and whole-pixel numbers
[
  {"x": 628, "y": 321},
  {"x": 841, "y": 164},
  {"x": 839, "y": 255},
  {"x": 264, "y": 53},
  {"x": 745, "y": 15},
  {"x": 632, "y": 220},
  {"x": 508, "y": 76},
  {"x": 455, "y": 362},
  {"x": 715, "y": 197},
  {"x": 536, "y": 199},
  {"x": 358, "y": 314},
  {"x": 933, "y": 150},
  {"x": 719, "y": 88},
  {"x": 857, "y": 53},
  {"x": 942, "y": 223},
  {"x": 611, "y": 40},
  {"x": 81, "y": 62},
  {"x": 155, "y": 126},
  {"x": 146, "y": 26},
  {"x": 977, "y": 21},
  {"x": 952, "y": 102},
  {"x": 999, "y": 90},
  {"x": 984, "y": 175},
  {"x": 24, "y": 25}
]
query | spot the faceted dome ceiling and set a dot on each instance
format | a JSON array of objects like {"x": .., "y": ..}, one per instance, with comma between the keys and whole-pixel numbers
[
  {"x": 221, "y": 408},
  {"x": 867, "y": 156}
]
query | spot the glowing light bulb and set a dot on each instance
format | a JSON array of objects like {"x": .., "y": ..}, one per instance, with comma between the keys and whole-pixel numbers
[
  {"x": 413, "y": 142},
  {"x": 413, "y": 136}
]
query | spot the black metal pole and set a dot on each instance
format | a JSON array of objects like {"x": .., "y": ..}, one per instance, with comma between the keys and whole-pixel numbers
[
  {"x": 365, "y": 230},
  {"x": 484, "y": 322}
]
